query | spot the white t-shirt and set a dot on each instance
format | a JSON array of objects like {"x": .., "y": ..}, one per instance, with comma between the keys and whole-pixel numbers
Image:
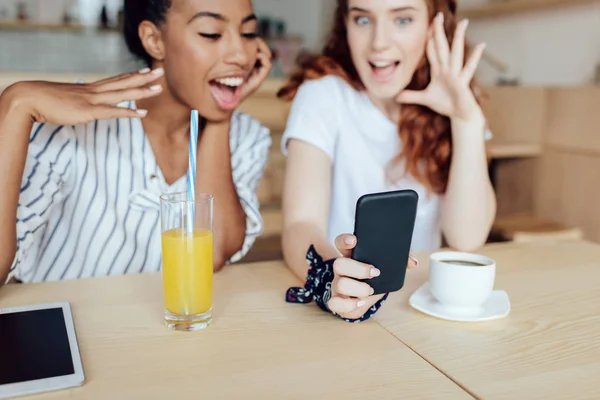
[{"x": 361, "y": 141}]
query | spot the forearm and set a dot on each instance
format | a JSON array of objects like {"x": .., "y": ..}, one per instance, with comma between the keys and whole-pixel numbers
[
  {"x": 214, "y": 176},
  {"x": 296, "y": 240},
  {"x": 15, "y": 126},
  {"x": 469, "y": 204}
]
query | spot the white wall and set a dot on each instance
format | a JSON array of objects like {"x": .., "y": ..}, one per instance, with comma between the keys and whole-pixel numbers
[{"x": 551, "y": 47}]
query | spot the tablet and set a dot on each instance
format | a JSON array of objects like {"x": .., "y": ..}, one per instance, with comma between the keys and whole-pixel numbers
[{"x": 38, "y": 350}]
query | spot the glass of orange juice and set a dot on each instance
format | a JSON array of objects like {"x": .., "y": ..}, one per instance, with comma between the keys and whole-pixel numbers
[{"x": 187, "y": 260}]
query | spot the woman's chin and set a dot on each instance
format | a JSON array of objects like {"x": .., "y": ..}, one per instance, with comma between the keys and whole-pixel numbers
[{"x": 216, "y": 114}]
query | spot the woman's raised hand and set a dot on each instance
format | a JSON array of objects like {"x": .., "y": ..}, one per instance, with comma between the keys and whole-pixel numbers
[
  {"x": 448, "y": 92},
  {"x": 73, "y": 103}
]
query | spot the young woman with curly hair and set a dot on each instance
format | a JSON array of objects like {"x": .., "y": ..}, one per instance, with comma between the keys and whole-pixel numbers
[
  {"x": 82, "y": 166},
  {"x": 389, "y": 104}
]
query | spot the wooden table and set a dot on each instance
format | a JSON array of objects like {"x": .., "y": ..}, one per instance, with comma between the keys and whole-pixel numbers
[
  {"x": 547, "y": 348},
  {"x": 258, "y": 346}
]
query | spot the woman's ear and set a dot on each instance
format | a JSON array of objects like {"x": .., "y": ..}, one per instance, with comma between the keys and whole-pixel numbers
[{"x": 151, "y": 39}]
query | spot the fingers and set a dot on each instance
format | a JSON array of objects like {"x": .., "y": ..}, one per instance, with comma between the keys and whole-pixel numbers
[
  {"x": 345, "y": 243},
  {"x": 118, "y": 96},
  {"x": 259, "y": 74},
  {"x": 263, "y": 48},
  {"x": 354, "y": 269},
  {"x": 343, "y": 306},
  {"x": 129, "y": 81},
  {"x": 109, "y": 112},
  {"x": 441, "y": 41},
  {"x": 418, "y": 97},
  {"x": 434, "y": 63},
  {"x": 458, "y": 47},
  {"x": 115, "y": 78},
  {"x": 412, "y": 260},
  {"x": 471, "y": 66},
  {"x": 264, "y": 56},
  {"x": 351, "y": 288}
]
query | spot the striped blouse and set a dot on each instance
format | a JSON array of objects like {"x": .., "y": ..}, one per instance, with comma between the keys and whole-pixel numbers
[{"x": 89, "y": 203}]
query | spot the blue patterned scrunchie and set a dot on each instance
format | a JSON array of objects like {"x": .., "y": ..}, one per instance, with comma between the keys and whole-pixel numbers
[{"x": 318, "y": 287}]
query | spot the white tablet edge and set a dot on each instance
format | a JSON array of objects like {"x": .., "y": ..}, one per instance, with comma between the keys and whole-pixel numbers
[{"x": 55, "y": 383}]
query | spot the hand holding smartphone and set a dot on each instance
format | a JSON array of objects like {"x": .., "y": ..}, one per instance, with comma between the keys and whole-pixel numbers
[{"x": 384, "y": 225}]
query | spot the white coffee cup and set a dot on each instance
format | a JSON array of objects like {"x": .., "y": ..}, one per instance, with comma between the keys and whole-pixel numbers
[{"x": 461, "y": 280}]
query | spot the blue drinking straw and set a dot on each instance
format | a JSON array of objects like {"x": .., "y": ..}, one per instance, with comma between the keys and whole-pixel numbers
[{"x": 191, "y": 175}]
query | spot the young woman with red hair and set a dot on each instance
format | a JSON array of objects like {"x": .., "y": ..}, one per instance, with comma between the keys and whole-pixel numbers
[{"x": 389, "y": 104}]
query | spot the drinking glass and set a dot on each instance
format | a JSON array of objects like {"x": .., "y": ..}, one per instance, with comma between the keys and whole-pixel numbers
[{"x": 187, "y": 260}]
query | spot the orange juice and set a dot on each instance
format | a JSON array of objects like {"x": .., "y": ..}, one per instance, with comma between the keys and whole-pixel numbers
[{"x": 187, "y": 271}]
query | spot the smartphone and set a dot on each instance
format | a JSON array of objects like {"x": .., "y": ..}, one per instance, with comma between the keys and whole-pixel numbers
[{"x": 383, "y": 225}]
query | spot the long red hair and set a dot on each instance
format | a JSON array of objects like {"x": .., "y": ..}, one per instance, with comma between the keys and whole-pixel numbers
[{"x": 425, "y": 135}]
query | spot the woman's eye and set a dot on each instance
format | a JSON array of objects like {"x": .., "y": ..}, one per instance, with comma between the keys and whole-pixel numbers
[
  {"x": 250, "y": 35},
  {"x": 362, "y": 20},
  {"x": 404, "y": 20},
  {"x": 211, "y": 36}
]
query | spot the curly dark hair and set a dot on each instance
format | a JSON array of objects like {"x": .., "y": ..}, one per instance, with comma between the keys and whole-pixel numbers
[{"x": 425, "y": 135}]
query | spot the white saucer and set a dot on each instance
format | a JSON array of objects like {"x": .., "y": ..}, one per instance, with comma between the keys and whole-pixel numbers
[{"x": 496, "y": 307}]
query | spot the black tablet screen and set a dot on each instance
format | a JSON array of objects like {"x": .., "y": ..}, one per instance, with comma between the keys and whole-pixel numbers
[{"x": 34, "y": 345}]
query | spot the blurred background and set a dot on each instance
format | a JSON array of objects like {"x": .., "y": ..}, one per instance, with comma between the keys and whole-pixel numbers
[
  {"x": 540, "y": 76},
  {"x": 550, "y": 42}
]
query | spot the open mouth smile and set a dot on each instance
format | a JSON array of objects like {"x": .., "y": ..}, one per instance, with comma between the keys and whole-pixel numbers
[{"x": 226, "y": 91}]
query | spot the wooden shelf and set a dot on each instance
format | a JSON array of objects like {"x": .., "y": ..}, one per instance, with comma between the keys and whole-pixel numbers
[
  {"x": 36, "y": 26},
  {"x": 508, "y": 7},
  {"x": 514, "y": 150},
  {"x": 525, "y": 227}
]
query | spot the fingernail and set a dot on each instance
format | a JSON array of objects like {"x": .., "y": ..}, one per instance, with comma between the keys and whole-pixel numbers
[
  {"x": 441, "y": 16},
  {"x": 372, "y": 291},
  {"x": 155, "y": 88},
  {"x": 349, "y": 240},
  {"x": 466, "y": 22},
  {"x": 142, "y": 112},
  {"x": 144, "y": 70},
  {"x": 375, "y": 272},
  {"x": 360, "y": 303},
  {"x": 158, "y": 71},
  {"x": 414, "y": 259}
]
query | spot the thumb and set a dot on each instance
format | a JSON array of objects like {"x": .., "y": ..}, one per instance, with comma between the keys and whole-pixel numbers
[
  {"x": 412, "y": 97},
  {"x": 345, "y": 243}
]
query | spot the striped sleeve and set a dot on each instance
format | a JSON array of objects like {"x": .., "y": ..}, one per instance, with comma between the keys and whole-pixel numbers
[
  {"x": 43, "y": 189},
  {"x": 251, "y": 142}
]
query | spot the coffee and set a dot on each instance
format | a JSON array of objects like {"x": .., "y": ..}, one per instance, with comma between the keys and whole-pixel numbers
[{"x": 464, "y": 263}]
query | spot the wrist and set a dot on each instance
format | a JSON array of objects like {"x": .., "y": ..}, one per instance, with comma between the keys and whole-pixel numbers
[
  {"x": 215, "y": 135},
  {"x": 218, "y": 125},
  {"x": 474, "y": 120},
  {"x": 469, "y": 128},
  {"x": 16, "y": 101}
]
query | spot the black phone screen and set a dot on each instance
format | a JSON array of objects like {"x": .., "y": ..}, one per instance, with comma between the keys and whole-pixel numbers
[{"x": 34, "y": 345}]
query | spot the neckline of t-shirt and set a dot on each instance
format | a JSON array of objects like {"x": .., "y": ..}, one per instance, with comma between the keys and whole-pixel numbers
[
  {"x": 150, "y": 158},
  {"x": 366, "y": 100},
  {"x": 376, "y": 110}
]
